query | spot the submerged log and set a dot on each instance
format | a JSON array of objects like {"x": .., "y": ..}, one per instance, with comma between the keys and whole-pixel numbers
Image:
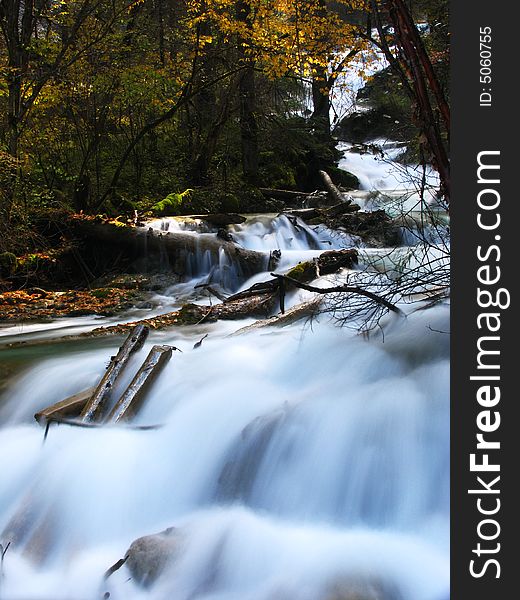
[
  {"x": 95, "y": 405},
  {"x": 70, "y": 407},
  {"x": 134, "y": 395}
]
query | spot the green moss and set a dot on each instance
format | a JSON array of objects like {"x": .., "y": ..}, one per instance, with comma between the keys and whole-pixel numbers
[
  {"x": 190, "y": 314},
  {"x": 172, "y": 204},
  {"x": 302, "y": 271},
  {"x": 343, "y": 178}
]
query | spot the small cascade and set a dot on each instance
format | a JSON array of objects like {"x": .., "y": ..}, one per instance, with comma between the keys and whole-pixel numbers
[{"x": 265, "y": 233}]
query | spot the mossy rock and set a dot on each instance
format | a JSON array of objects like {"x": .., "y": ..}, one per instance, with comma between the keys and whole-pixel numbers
[
  {"x": 304, "y": 271},
  {"x": 344, "y": 179},
  {"x": 101, "y": 293},
  {"x": 190, "y": 314}
]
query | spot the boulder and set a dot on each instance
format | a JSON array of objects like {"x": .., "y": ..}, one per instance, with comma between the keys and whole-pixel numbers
[{"x": 148, "y": 556}]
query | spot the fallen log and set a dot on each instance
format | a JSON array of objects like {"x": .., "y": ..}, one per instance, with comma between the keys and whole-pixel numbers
[
  {"x": 292, "y": 315},
  {"x": 175, "y": 247},
  {"x": 333, "y": 192},
  {"x": 70, "y": 407},
  {"x": 134, "y": 395},
  {"x": 258, "y": 301},
  {"x": 94, "y": 407},
  {"x": 325, "y": 264},
  {"x": 285, "y": 194},
  {"x": 341, "y": 209}
]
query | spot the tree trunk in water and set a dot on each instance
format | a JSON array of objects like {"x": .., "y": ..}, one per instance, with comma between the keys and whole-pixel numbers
[
  {"x": 134, "y": 396},
  {"x": 95, "y": 406}
]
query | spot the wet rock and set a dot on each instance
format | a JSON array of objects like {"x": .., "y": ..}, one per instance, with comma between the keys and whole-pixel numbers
[
  {"x": 360, "y": 127},
  {"x": 223, "y": 234},
  {"x": 148, "y": 556},
  {"x": 236, "y": 480},
  {"x": 362, "y": 589}
]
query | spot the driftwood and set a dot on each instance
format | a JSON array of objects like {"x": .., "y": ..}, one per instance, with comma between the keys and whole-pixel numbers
[
  {"x": 333, "y": 192},
  {"x": 70, "y": 407},
  {"x": 300, "y": 311},
  {"x": 134, "y": 395},
  {"x": 95, "y": 405}
]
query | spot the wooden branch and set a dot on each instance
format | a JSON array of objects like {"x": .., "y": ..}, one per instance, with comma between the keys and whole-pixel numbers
[
  {"x": 334, "y": 194},
  {"x": 115, "y": 567},
  {"x": 95, "y": 405},
  {"x": 304, "y": 310},
  {"x": 342, "y": 289},
  {"x": 70, "y": 407},
  {"x": 133, "y": 397},
  {"x": 87, "y": 425}
]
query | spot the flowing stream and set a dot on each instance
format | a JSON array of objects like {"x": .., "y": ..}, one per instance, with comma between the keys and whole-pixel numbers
[{"x": 302, "y": 462}]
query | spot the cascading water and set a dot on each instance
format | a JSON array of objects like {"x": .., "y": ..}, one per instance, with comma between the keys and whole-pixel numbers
[
  {"x": 295, "y": 463},
  {"x": 291, "y": 462}
]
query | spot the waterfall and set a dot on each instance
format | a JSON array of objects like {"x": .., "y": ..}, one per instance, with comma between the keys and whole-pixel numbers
[
  {"x": 302, "y": 462},
  {"x": 288, "y": 460}
]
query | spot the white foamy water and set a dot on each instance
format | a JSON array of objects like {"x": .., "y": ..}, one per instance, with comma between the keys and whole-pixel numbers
[
  {"x": 289, "y": 459},
  {"x": 300, "y": 463}
]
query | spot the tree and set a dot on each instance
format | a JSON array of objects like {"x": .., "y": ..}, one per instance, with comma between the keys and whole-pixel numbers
[
  {"x": 43, "y": 39},
  {"x": 407, "y": 55}
]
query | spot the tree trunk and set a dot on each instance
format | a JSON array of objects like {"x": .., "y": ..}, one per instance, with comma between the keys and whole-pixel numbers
[
  {"x": 334, "y": 194},
  {"x": 321, "y": 103},
  {"x": 414, "y": 68},
  {"x": 174, "y": 247},
  {"x": 70, "y": 407},
  {"x": 247, "y": 99}
]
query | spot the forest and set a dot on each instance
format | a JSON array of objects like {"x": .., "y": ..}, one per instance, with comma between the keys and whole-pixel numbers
[
  {"x": 224, "y": 299},
  {"x": 173, "y": 107}
]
